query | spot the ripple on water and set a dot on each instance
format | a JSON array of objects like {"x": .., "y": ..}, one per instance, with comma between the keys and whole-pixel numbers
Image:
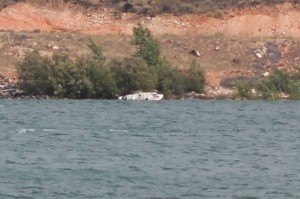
[
  {"x": 173, "y": 149},
  {"x": 21, "y": 131},
  {"x": 48, "y": 130},
  {"x": 118, "y": 130}
]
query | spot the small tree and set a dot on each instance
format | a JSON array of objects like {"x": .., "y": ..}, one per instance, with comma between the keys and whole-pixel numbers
[
  {"x": 96, "y": 50},
  {"x": 268, "y": 90},
  {"x": 191, "y": 80},
  {"x": 71, "y": 78},
  {"x": 294, "y": 89},
  {"x": 34, "y": 73},
  {"x": 195, "y": 78},
  {"x": 280, "y": 79},
  {"x": 278, "y": 82},
  {"x": 149, "y": 50},
  {"x": 178, "y": 83},
  {"x": 133, "y": 74},
  {"x": 148, "y": 46},
  {"x": 102, "y": 79},
  {"x": 244, "y": 90}
]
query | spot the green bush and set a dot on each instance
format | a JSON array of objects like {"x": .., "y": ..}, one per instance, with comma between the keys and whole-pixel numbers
[
  {"x": 191, "y": 80},
  {"x": 185, "y": 8},
  {"x": 195, "y": 78},
  {"x": 164, "y": 73},
  {"x": 150, "y": 51},
  {"x": 72, "y": 79},
  {"x": 294, "y": 89},
  {"x": 133, "y": 74},
  {"x": 84, "y": 78},
  {"x": 148, "y": 46},
  {"x": 268, "y": 90},
  {"x": 271, "y": 87},
  {"x": 92, "y": 77},
  {"x": 168, "y": 5},
  {"x": 34, "y": 73},
  {"x": 244, "y": 90},
  {"x": 276, "y": 83},
  {"x": 294, "y": 86},
  {"x": 280, "y": 79},
  {"x": 103, "y": 81},
  {"x": 178, "y": 83},
  {"x": 97, "y": 51},
  {"x": 62, "y": 77}
]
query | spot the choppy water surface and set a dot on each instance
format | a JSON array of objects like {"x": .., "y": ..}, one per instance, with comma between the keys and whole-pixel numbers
[{"x": 169, "y": 149}]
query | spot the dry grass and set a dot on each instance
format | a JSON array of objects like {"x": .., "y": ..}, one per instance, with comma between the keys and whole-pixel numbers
[{"x": 218, "y": 54}]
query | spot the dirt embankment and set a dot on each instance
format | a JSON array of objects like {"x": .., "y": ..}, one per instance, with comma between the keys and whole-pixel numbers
[
  {"x": 278, "y": 20},
  {"x": 234, "y": 35}
]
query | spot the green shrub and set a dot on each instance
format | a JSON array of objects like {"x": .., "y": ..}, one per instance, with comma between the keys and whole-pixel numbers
[
  {"x": 218, "y": 13},
  {"x": 164, "y": 73},
  {"x": 268, "y": 90},
  {"x": 294, "y": 89},
  {"x": 219, "y": 34},
  {"x": 97, "y": 51},
  {"x": 271, "y": 87},
  {"x": 168, "y": 5},
  {"x": 185, "y": 8},
  {"x": 280, "y": 79},
  {"x": 133, "y": 74},
  {"x": 34, "y": 73},
  {"x": 70, "y": 78},
  {"x": 91, "y": 77},
  {"x": 103, "y": 81},
  {"x": 178, "y": 83},
  {"x": 63, "y": 77},
  {"x": 276, "y": 83},
  {"x": 148, "y": 46},
  {"x": 150, "y": 51},
  {"x": 191, "y": 80},
  {"x": 195, "y": 78},
  {"x": 244, "y": 90}
]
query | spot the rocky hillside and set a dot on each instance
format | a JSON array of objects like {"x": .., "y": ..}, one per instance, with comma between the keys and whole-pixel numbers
[
  {"x": 158, "y": 6},
  {"x": 240, "y": 38}
]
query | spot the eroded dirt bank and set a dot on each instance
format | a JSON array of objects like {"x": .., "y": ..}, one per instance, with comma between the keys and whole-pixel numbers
[
  {"x": 280, "y": 20},
  {"x": 227, "y": 44}
]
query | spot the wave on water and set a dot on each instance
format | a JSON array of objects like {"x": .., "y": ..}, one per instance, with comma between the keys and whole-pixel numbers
[
  {"x": 26, "y": 131},
  {"x": 184, "y": 149},
  {"x": 118, "y": 130},
  {"x": 48, "y": 130}
]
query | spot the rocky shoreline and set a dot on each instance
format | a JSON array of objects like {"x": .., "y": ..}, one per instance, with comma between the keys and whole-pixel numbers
[{"x": 9, "y": 89}]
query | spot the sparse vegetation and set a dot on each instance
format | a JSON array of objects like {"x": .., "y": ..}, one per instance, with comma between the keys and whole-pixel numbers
[
  {"x": 223, "y": 55},
  {"x": 185, "y": 8},
  {"x": 95, "y": 77},
  {"x": 5, "y": 3},
  {"x": 244, "y": 90},
  {"x": 219, "y": 34},
  {"x": 272, "y": 87}
]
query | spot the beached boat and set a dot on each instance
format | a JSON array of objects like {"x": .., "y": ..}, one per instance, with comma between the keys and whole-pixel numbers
[{"x": 151, "y": 96}]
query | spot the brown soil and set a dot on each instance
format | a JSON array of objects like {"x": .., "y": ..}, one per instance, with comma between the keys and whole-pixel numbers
[
  {"x": 233, "y": 31},
  {"x": 264, "y": 21}
]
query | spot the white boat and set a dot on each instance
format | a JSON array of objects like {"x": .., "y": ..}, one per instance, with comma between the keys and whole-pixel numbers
[{"x": 151, "y": 96}]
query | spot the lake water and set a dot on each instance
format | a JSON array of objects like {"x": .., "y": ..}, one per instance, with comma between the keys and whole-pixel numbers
[{"x": 150, "y": 150}]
